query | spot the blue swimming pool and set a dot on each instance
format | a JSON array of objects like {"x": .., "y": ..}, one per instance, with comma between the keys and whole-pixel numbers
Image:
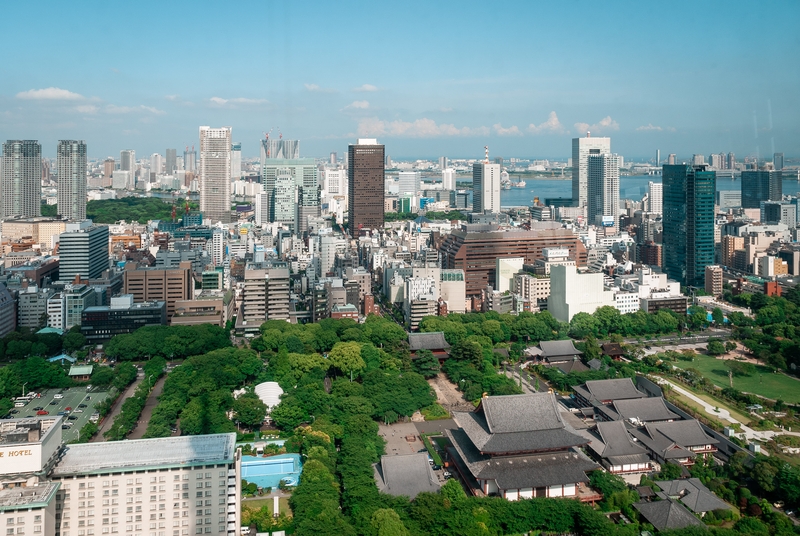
[{"x": 268, "y": 472}]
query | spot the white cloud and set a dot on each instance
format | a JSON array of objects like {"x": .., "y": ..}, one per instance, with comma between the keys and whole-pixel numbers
[
  {"x": 219, "y": 101},
  {"x": 551, "y": 125},
  {"x": 366, "y": 87},
  {"x": 50, "y": 93},
  {"x": 605, "y": 125},
  {"x": 358, "y": 105},
  {"x": 173, "y": 97},
  {"x": 652, "y": 128},
  {"x": 152, "y": 110},
  {"x": 315, "y": 88},
  {"x": 114, "y": 109},
  {"x": 87, "y": 109},
  {"x": 420, "y": 128},
  {"x": 510, "y": 131}
]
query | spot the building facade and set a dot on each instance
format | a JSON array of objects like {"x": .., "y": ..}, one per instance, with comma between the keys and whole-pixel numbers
[
  {"x": 602, "y": 203},
  {"x": 83, "y": 251},
  {"x": 485, "y": 187},
  {"x": 581, "y": 149},
  {"x": 365, "y": 177},
  {"x": 21, "y": 180},
  {"x": 169, "y": 285},
  {"x": 71, "y": 164},
  {"x": 215, "y": 173},
  {"x": 763, "y": 185}
]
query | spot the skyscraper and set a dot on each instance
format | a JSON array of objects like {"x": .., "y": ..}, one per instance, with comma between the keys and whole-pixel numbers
[
  {"x": 485, "y": 186},
  {"x": 280, "y": 148},
  {"x": 71, "y": 165},
  {"x": 83, "y": 251},
  {"x": 236, "y": 161},
  {"x": 777, "y": 161},
  {"x": 443, "y": 163},
  {"x": 448, "y": 179},
  {"x": 671, "y": 159},
  {"x": 365, "y": 178},
  {"x": 602, "y": 205},
  {"x": 333, "y": 157},
  {"x": 581, "y": 149},
  {"x": 655, "y": 197},
  {"x": 190, "y": 160},
  {"x": 127, "y": 160},
  {"x": 108, "y": 171},
  {"x": 22, "y": 179},
  {"x": 156, "y": 161},
  {"x": 762, "y": 185},
  {"x": 291, "y": 205},
  {"x": 171, "y": 164},
  {"x": 409, "y": 182},
  {"x": 215, "y": 173},
  {"x": 688, "y": 222},
  {"x": 731, "y": 161}
]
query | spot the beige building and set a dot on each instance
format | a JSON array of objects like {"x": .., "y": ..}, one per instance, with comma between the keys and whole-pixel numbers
[
  {"x": 208, "y": 308},
  {"x": 265, "y": 294},
  {"x": 40, "y": 230},
  {"x": 714, "y": 280},
  {"x": 158, "y": 284},
  {"x": 729, "y": 246}
]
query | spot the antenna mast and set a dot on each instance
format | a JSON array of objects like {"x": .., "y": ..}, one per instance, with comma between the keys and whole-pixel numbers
[{"x": 486, "y": 149}]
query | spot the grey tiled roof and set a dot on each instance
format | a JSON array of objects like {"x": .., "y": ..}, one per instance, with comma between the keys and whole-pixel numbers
[
  {"x": 693, "y": 494},
  {"x": 667, "y": 514},
  {"x": 521, "y": 413},
  {"x": 408, "y": 475},
  {"x": 650, "y": 409},
  {"x": 427, "y": 341},
  {"x": 670, "y": 440},
  {"x": 553, "y": 350},
  {"x": 572, "y": 365},
  {"x": 614, "y": 444},
  {"x": 616, "y": 389}
]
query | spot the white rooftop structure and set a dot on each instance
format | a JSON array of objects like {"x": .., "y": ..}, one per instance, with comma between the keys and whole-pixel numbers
[
  {"x": 140, "y": 454},
  {"x": 269, "y": 393}
]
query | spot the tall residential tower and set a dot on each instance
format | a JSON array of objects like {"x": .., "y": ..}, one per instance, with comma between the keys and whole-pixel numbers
[
  {"x": 486, "y": 186},
  {"x": 215, "y": 173},
  {"x": 581, "y": 149},
  {"x": 21, "y": 181},
  {"x": 365, "y": 177},
  {"x": 71, "y": 164},
  {"x": 603, "y": 190}
]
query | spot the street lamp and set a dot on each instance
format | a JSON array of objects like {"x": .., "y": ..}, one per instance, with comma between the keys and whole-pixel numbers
[
  {"x": 149, "y": 386},
  {"x": 23, "y": 389}
]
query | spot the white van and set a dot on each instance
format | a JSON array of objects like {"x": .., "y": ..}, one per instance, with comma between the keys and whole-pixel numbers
[
  {"x": 20, "y": 404},
  {"x": 58, "y": 396}
]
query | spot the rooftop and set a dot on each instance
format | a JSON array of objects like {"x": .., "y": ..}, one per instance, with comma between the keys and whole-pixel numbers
[
  {"x": 669, "y": 514},
  {"x": 118, "y": 456},
  {"x": 427, "y": 341},
  {"x": 552, "y": 350},
  {"x": 38, "y": 496},
  {"x": 81, "y": 370},
  {"x": 693, "y": 494},
  {"x": 645, "y": 409},
  {"x": 408, "y": 475},
  {"x": 616, "y": 389}
]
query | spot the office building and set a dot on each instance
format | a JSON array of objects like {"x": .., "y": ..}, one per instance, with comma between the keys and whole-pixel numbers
[
  {"x": 171, "y": 162},
  {"x": 655, "y": 197},
  {"x": 581, "y": 149},
  {"x": 777, "y": 161},
  {"x": 169, "y": 285},
  {"x": 773, "y": 212},
  {"x": 698, "y": 160},
  {"x": 40, "y": 230},
  {"x": 761, "y": 185},
  {"x": 215, "y": 174},
  {"x": 156, "y": 163},
  {"x": 280, "y": 148},
  {"x": 32, "y": 306},
  {"x": 572, "y": 293},
  {"x": 505, "y": 270},
  {"x": 729, "y": 199},
  {"x": 485, "y": 186},
  {"x": 672, "y": 159},
  {"x": 714, "y": 281},
  {"x": 265, "y": 294},
  {"x": 71, "y": 165},
  {"x": 602, "y": 204},
  {"x": 448, "y": 179},
  {"x": 127, "y": 160},
  {"x": 102, "y": 322},
  {"x": 236, "y": 161},
  {"x": 291, "y": 185},
  {"x": 261, "y": 208},
  {"x": 109, "y": 164},
  {"x": 365, "y": 178},
  {"x": 75, "y": 299},
  {"x": 475, "y": 248},
  {"x": 190, "y": 160},
  {"x": 688, "y": 243},
  {"x": 83, "y": 251},
  {"x": 408, "y": 182},
  {"x": 21, "y": 179}
]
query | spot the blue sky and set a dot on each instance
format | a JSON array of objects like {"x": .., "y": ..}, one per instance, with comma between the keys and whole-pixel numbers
[{"x": 425, "y": 78}]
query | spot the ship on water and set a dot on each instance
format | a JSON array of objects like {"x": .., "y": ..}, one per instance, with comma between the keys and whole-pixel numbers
[{"x": 518, "y": 183}]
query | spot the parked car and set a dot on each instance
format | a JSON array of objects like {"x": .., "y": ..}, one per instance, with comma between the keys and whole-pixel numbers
[
  {"x": 58, "y": 396},
  {"x": 78, "y": 411},
  {"x": 68, "y": 408},
  {"x": 447, "y": 474},
  {"x": 72, "y": 418},
  {"x": 42, "y": 412},
  {"x": 37, "y": 408},
  {"x": 53, "y": 403},
  {"x": 82, "y": 405}
]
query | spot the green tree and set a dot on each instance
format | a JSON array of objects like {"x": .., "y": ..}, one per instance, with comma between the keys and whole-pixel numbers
[
  {"x": 102, "y": 376},
  {"x": 386, "y": 522},
  {"x": 469, "y": 351},
  {"x": 74, "y": 341},
  {"x": 346, "y": 356},
  {"x": 250, "y": 410},
  {"x": 717, "y": 316},
  {"x": 715, "y": 348},
  {"x": 426, "y": 363},
  {"x": 669, "y": 471},
  {"x": 764, "y": 474},
  {"x": 453, "y": 491}
]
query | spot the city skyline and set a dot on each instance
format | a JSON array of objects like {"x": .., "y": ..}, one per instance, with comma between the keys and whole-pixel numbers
[{"x": 526, "y": 94}]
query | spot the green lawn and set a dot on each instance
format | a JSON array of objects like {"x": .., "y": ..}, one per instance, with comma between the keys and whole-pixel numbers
[
  {"x": 764, "y": 383},
  {"x": 257, "y": 504}
]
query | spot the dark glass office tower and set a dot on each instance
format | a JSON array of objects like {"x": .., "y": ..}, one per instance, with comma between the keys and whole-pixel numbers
[
  {"x": 365, "y": 175},
  {"x": 758, "y": 186},
  {"x": 688, "y": 222}
]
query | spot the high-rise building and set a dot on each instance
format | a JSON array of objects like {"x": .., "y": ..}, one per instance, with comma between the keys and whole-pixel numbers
[
  {"x": 717, "y": 161},
  {"x": 156, "y": 162},
  {"x": 581, "y": 149},
  {"x": 443, "y": 163},
  {"x": 409, "y": 182},
  {"x": 190, "y": 160},
  {"x": 448, "y": 179},
  {"x": 486, "y": 186},
  {"x": 672, "y": 159},
  {"x": 280, "y": 148},
  {"x": 71, "y": 163},
  {"x": 159, "y": 284},
  {"x": 761, "y": 185},
  {"x": 658, "y": 157},
  {"x": 127, "y": 160},
  {"x": 261, "y": 208},
  {"x": 108, "y": 171},
  {"x": 83, "y": 251},
  {"x": 265, "y": 293},
  {"x": 171, "y": 162},
  {"x": 284, "y": 198},
  {"x": 236, "y": 161},
  {"x": 215, "y": 173},
  {"x": 777, "y": 161},
  {"x": 698, "y": 160},
  {"x": 655, "y": 197},
  {"x": 365, "y": 178},
  {"x": 688, "y": 222},
  {"x": 713, "y": 280},
  {"x": 731, "y": 161},
  {"x": 21, "y": 180},
  {"x": 334, "y": 157},
  {"x": 602, "y": 204},
  {"x": 299, "y": 194}
]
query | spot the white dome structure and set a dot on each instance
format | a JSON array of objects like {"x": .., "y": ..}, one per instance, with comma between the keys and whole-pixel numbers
[{"x": 269, "y": 393}]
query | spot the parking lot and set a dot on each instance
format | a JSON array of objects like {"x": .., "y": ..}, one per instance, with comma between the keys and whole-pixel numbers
[{"x": 74, "y": 398}]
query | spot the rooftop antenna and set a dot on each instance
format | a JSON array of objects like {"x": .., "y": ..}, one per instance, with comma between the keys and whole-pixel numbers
[
  {"x": 486, "y": 149},
  {"x": 588, "y": 134}
]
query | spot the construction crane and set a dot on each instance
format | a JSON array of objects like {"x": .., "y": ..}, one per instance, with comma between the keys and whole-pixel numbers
[
  {"x": 486, "y": 148},
  {"x": 266, "y": 137}
]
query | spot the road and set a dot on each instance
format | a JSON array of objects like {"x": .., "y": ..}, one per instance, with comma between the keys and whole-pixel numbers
[
  {"x": 109, "y": 419},
  {"x": 147, "y": 412}
]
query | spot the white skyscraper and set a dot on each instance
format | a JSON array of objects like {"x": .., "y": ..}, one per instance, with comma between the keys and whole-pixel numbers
[
  {"x": 261, "y": 208},
  {"x": 655, "y": 197},
  {"x": 71, "y": 165},
  {"x": 448, "y": 179},
  {"x": 485, "y": 186},
  {"x": 215, "y": 173},
  {"x": 581, "y": 149},
  {"x": 236, "y": 161},
  {"x": 127, "y": 160},
  {"x": 603, "y": 190},
  {"x": 409, "y": 182},
  {"x": 156, "y": 162},
  {"x": 21, "y": 179}
]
